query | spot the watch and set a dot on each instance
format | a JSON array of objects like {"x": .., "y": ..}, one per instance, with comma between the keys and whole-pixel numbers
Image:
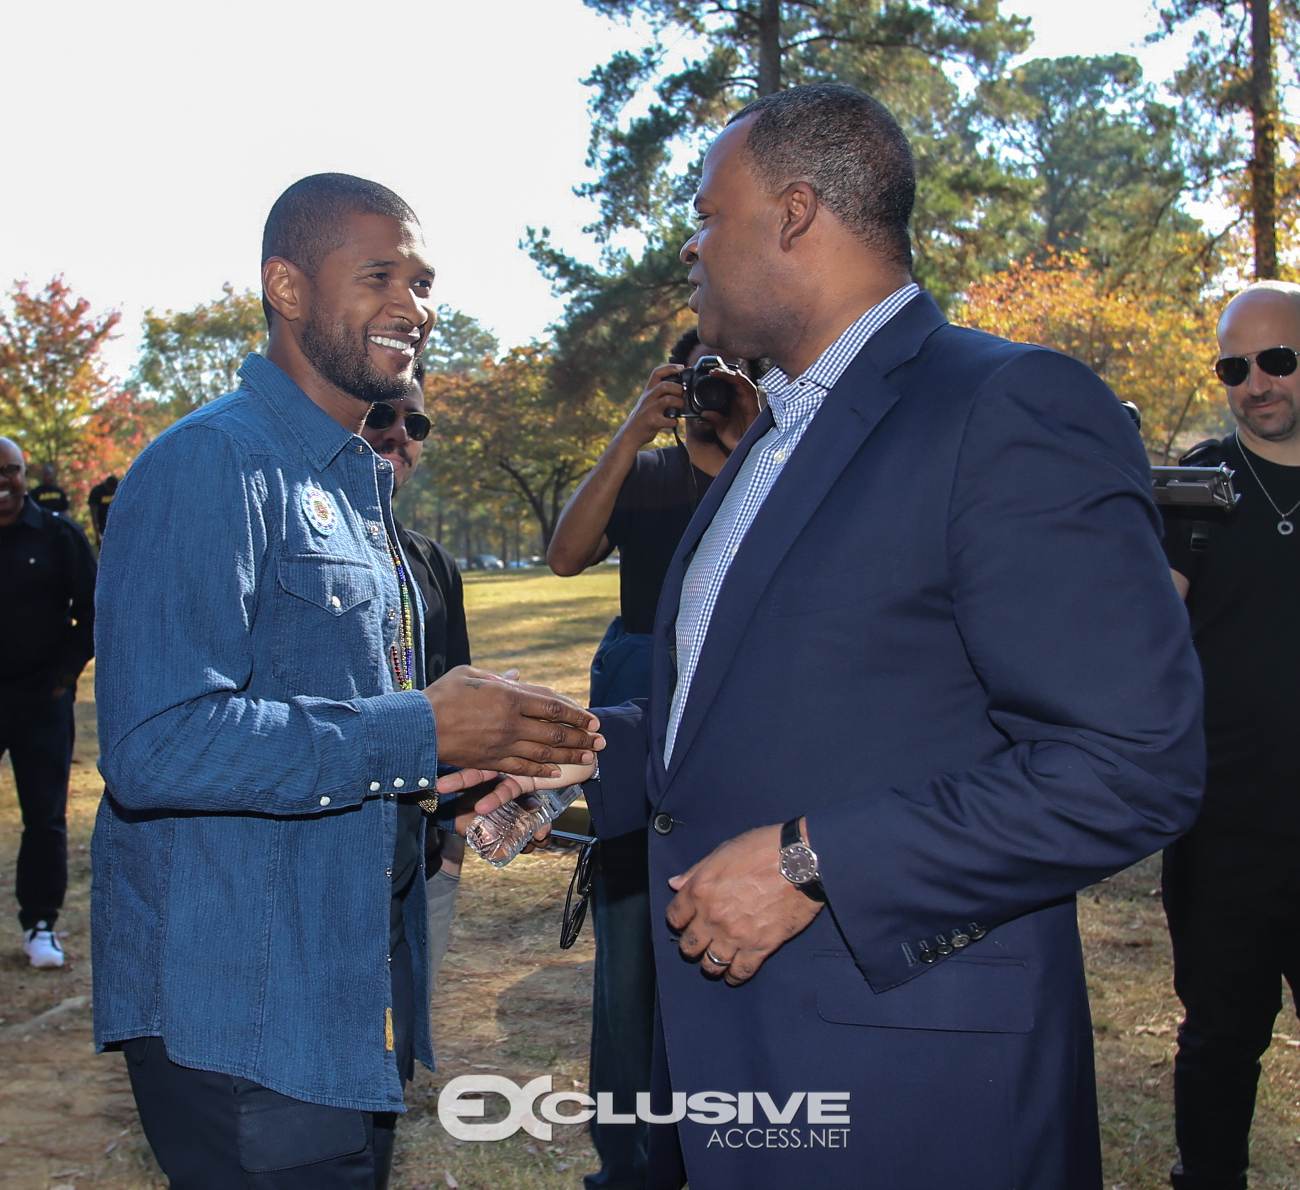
[{"x": 799, "y": 862}]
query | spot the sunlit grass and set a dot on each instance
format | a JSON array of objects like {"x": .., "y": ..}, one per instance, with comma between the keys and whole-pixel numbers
[{"x": 546, "y": 626}]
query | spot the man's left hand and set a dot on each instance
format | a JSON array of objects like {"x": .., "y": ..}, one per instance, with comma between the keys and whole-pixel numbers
[{"x": 734, "y": 908}]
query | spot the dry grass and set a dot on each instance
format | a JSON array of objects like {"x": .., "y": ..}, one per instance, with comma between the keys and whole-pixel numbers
[{"x": 510, "y": 1000}]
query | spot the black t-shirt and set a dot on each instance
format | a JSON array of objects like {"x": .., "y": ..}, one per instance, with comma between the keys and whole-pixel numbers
[
  {"x": 49, "y": 497},
  {"x": 101, "y": 496},
  {"x": 1244, "y": 604},
  {"x": 654, "y": 506}
]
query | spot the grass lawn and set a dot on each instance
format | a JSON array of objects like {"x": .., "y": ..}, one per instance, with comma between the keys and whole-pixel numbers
[{"x": 511, "y": 1002}]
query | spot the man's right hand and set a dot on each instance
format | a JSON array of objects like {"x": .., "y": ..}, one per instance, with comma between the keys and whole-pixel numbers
[
  {"x": 657, "y": 408},
  {"x": 485, "y": 721}
]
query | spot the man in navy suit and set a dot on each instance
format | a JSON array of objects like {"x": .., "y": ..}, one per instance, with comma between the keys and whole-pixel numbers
[{"x": 919, "y": 675}]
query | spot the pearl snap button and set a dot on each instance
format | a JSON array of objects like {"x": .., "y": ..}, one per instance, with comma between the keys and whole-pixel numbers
[
  {"x": 335, "y": 601},
  {"x": 324, "y": 801},
  {"x": 374, "y": 786},
  {"x": 398, "y": 782},
  {"x": 423, "y": 782}
]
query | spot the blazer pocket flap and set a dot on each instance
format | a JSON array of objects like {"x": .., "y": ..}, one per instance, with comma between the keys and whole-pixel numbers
[
  {"x": 335, "y": 584},
  {"x": 966, "y": 994}
]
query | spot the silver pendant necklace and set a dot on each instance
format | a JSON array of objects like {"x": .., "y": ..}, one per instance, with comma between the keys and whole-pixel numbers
[{"x": 1284, "y": 526}]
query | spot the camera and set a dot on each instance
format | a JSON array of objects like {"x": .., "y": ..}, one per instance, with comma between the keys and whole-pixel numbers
[
  {"x": 1203, "y": 487},
  {"x": 706, "y": 388}
]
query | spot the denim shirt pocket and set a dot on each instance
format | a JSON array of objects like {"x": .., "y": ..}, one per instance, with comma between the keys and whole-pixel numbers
[{"x": 327, "y": 626}]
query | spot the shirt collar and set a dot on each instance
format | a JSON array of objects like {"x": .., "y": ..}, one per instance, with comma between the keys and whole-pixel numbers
[
  {"x": 319, "y": 435},
  {"x": 791, "y": 399},
  {"x": 29, "y": 515}
]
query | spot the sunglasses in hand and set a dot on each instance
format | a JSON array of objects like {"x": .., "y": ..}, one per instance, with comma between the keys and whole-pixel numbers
[
  {"x": 584, "y": 874},
  {"x": 382, "y": 415},
  {"x": 1234, "y": 369}
]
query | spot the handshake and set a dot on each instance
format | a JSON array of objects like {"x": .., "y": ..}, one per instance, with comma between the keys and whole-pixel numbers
[{"x": 508, "y": 739}]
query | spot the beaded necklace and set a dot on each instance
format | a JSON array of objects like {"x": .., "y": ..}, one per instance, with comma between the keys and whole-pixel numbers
[{"x": 403, "y": 653}]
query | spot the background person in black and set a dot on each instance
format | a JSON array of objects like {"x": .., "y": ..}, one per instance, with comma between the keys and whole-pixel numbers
[
  {"x": 47, "y": 622},
  {"x": 640, "y": 502},
  {"x": 446, "y": 641},
  {"x": 101, "y": 496},
  {"x": 1232, "y": 884},
  {"x": 47, "y": 494}
]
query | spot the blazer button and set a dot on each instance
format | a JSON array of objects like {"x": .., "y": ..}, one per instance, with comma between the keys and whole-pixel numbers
[
  {"x": 977, "y": 932},
  {"x": 959, "y": 940},
  {"x": 927, "y": 955},
  {"x": 944, "y": 948},
  {"x": 663, "y": 824}
]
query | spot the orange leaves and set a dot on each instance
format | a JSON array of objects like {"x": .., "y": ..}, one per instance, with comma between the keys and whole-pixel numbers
[
  {"x": 1152, "y": 349},
  {"x": 55, "y": 400}
]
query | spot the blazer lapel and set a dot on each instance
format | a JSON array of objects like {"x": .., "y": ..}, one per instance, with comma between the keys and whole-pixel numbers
[{"x": 850, "y": 412}]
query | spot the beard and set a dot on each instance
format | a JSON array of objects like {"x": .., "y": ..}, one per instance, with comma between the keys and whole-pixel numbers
[
  {"x": 332, "y": 349},
  {"x": 1278, "y": 428}
]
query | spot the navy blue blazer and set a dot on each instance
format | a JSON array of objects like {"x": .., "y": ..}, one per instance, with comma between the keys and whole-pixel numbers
[{"x": 950, "y": 639}]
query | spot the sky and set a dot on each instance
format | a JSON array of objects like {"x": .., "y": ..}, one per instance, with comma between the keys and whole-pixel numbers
[{"x": 145, "y": 141}]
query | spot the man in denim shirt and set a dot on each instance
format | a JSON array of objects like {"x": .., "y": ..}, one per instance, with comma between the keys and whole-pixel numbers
[{"x": 265, "y": 736}]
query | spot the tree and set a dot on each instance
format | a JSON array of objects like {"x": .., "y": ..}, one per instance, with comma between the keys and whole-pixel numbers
[
  {"x": 193, "y": 356},
  {"x": 620, "y": 321},
  {"x": 56, "y": 400},
  {"x": 505, "y": 433},
  {"x": 1150, "y": 349},
  {"x": 457, "y": 343},
  {"x": 1110, "y": 165},
  {"x": 1233, "y": 71}
]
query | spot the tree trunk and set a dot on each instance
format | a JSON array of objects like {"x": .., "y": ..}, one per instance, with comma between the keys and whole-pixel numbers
[
  {"x": 1263, "y": 115},
  {"x": 769, "y": 47}
]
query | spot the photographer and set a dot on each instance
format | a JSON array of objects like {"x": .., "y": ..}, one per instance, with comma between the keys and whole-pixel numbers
[
  {"x": 1232, "y": 884},
  {"x": 639, "y": 501}
]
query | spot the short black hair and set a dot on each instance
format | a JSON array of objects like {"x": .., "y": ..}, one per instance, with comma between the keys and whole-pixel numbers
[
  {"x": 848, "y": 148},
  {"x": 682, "y": 349},
  {"x": 306, "y": 223}
]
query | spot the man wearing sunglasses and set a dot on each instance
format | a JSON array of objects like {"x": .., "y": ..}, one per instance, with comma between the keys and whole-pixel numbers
[
  {"x": 1232, "y": 884},
  {"x": 269, "y": 735},
  {"x": 396, "y": 429}
]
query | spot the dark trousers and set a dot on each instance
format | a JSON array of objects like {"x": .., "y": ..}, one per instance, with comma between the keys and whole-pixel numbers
[
  {"x": 216, "y": 1132},
  {"x": 38, "y": 736},
  {"x": 623, "y": 992},
  {"x": 1233, "y": 903}
]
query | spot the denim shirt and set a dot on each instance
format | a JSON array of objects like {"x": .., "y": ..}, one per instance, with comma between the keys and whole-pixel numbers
[{"x": 252, "y": 747}]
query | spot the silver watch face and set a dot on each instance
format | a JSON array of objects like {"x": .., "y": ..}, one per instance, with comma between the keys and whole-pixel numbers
[{"x": 798, "y": 863}]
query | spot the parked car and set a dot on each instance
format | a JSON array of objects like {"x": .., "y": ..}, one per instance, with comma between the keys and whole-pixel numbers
[{"x": 485, "y": 562}]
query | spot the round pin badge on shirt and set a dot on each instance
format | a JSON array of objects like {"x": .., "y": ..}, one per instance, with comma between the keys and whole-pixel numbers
[{"x": 318, "y": 507}]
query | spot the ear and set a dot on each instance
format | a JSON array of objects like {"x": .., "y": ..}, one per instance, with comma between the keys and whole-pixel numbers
[
  {"x": 286, "y": 288},
  {"x": 799, "y": 208}
]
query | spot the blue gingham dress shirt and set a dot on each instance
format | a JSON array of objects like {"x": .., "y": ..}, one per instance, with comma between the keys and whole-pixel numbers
[{"x": 794, "y": 403}]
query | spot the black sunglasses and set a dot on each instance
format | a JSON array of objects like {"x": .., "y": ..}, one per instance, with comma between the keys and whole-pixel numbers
[
  {"x": 1276, "y": 361},
  {"x": 382, "y": 415},
  {"x": 584, "y": 875}
]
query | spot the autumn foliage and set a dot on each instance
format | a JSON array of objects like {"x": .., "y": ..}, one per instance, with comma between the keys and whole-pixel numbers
[
  {"x": 55, "y": 400},
  {"x": 1151, "y": 349}
]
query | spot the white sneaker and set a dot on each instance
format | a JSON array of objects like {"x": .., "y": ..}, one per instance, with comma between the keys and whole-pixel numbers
[{"x": 42, "y": 947}]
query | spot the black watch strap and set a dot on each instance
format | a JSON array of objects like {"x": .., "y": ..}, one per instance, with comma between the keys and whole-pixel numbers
[{"x": 790, "y": 835}]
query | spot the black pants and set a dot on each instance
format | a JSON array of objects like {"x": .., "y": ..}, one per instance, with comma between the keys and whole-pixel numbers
[
  {"x": 622, "y": 1007},
  {"x": 216, "y": 1132},
  {"x": 1233, "y": 903},
  {"x": 38, "y": 735}
]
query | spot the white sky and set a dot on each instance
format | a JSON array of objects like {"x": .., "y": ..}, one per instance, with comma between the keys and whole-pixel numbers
[{"x": 145, "y": 141}]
